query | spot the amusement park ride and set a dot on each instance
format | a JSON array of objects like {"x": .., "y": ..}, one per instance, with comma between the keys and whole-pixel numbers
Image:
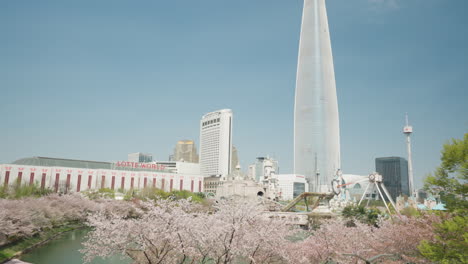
[
  {"x": 374, "y": 181},
  {"x": 315, "y": 204}
]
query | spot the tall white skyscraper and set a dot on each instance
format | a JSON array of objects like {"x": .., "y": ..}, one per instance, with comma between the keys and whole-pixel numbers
[
  {"x": 316, "y": 121},
  {"x": 216, "y": 143}
]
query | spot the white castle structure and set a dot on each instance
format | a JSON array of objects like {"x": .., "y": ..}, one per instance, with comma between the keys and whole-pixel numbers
[
  {"x": 216, "y": 143},
  {"x": 316, "y": 121}
]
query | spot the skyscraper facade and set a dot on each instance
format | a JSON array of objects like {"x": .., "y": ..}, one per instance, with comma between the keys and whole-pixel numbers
[
  {"x": 395, "y": 175},
  {"x": 216, "y": 143},
  {"x": 185, "y": 150},
  {"x": 316, "y": 120},
  {"x": 140, "y": 157}
]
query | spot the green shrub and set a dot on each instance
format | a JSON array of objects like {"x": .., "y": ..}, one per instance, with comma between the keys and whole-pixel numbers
[
  {"x": 368, "y": 216},
  {"x": 151, "y": 193},
  {"x": 19, "y": 190},
  {"x": 410, "y": 211},
  {"x": 103, "y": 193},
  {"x": 3, "y": 192},
  {"x": 186, "y": 194}
]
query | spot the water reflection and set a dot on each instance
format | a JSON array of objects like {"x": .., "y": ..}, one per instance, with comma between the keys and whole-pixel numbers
[{"x": 65, "y": 250}]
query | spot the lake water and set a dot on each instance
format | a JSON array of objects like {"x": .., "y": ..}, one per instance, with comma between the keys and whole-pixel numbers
[{"x": 64, "y": 250}]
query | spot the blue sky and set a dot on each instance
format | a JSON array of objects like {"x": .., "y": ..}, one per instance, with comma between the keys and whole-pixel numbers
[{"x": 96, "y": 80}]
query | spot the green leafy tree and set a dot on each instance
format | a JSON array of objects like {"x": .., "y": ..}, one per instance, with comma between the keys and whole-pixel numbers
[
  {"x": 451, "y": 177},
  {"x": 451, "y": 242}
]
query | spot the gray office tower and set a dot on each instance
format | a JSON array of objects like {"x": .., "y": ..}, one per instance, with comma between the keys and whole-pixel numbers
[
  {"x": 395, "y": 175},
  {"x": 140, "y": 157},
  {"x": 316, "y": 122}
]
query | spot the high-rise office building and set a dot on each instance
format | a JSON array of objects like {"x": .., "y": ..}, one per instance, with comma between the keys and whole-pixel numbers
[
  {"x": 316, "y": 121},
  {"x": 216, "y": 143},
  {"x": 140, "y": 157},
  {"x": 185, "y": 150},
  {"x": 395, "y": 175}
]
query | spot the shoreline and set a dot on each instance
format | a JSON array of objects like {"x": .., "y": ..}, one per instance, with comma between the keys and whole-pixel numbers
[{"x": 4, "y": 257}]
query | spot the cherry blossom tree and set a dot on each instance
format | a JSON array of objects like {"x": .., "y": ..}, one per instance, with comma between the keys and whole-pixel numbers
[
  {"x": 334, "y": 240},
  {"x": 180, "y": 232},
  {"x": 28, "y": 216}
]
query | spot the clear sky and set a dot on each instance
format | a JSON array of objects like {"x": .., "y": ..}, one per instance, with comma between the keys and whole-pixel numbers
[{"x": 97, "y": 80}]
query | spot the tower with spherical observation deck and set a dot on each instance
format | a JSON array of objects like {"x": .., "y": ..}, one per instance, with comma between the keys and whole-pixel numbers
[{"x": 408, "y": 130}]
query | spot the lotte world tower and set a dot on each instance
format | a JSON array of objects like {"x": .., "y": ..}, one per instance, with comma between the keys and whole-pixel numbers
[{"x": 316, "y": 121}]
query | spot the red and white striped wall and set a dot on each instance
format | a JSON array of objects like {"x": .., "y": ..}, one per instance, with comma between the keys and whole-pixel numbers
[{"x": 61, "y": 179}]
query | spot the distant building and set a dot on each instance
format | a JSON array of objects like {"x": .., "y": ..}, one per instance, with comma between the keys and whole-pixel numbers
[
  {"x": 395, "y": 175},
  {"x": 211, "y": 184},
  {"x": 67, "y": 175},
  {"x": 264, "y": 166},
  {"x": 185, "y": 150},
  {"x": 237, "y": 185},
  {"x": 251, "y": 171},
  {"x": 421, "y": 195},
  {"x": 140, "y": 157},
  {"x": 291, "y": 185},
  {"x": 179, "y": 167},
  {"x": 216, "y": 143}
]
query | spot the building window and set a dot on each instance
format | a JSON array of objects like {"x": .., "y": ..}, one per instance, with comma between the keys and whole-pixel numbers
[
  {"x": 154, "y": 182},
  {"x": 31, "y": 178},
  {"x": 78, "y": 185},
  {"x": 171, "y": 183},
  {"x": 20, "y": 176},
  {"x": 7, "y": 178},
  {"x": 144, "y": 182},
  {"x": 199, "y": 186},
  {"x": 103, "y": 182},
  {"x": 298, "y": 188},
  {"x": 113, "y": 183},
  {"x": 131, "y": 182},
  {"x": 191, "y": 186},
  {"x": 67, "y": 184},
  {"x": 122, "y": 183},
  {"x": 57, "y": 178},
  {"x": 43, "y": 180},
  {"x": 181, "y": 185},
  {"x": 90, "y": 181}
]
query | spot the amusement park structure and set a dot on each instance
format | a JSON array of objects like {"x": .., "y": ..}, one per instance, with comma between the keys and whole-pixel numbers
[{"x": 314, "y": 205}]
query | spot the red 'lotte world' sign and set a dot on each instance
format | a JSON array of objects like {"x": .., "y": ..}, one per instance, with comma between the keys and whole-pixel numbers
[{"x": 128, "y": 164}]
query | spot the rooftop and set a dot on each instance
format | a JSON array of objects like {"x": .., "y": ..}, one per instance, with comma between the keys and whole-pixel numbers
[{"x": 72, "y": 163}]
